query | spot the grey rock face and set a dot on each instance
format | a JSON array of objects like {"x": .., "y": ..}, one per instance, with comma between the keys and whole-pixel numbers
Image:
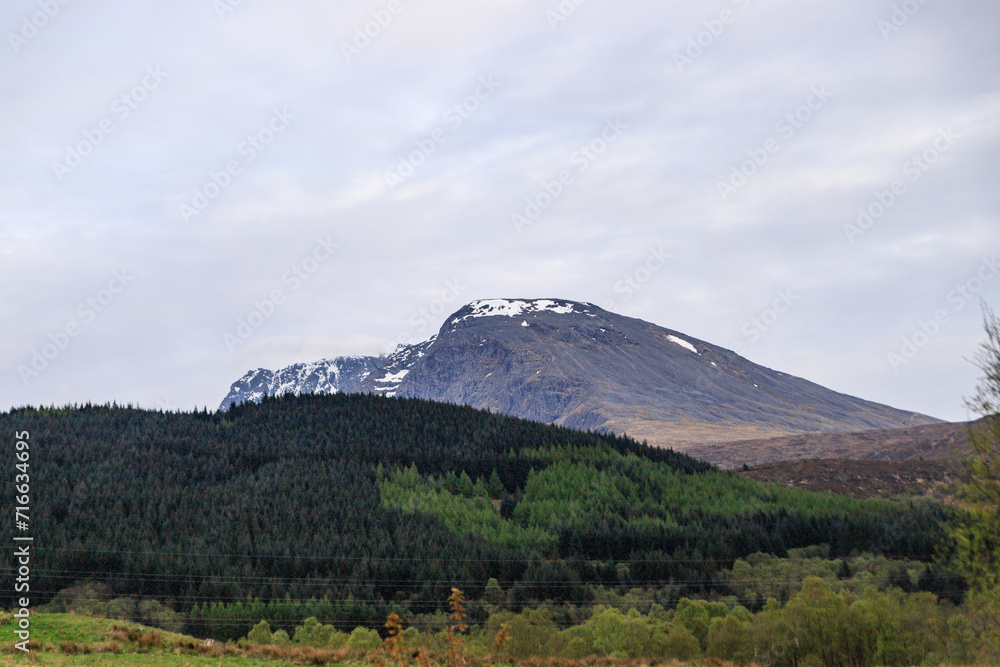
[
  {"x": 578, "y": 365},
  {"x": 327, "y": 376},
  {"x": 394, "y": 369}
]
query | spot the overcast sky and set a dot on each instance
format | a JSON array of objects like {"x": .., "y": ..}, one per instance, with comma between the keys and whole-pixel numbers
[{"x": 168, "y": 168}]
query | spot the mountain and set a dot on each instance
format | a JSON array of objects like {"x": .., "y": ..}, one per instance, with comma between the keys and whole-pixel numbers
[
  {"x": 393, "y": 370},
  {"x": 320, "y": 377},
  {"x": 577, "y": 365}
]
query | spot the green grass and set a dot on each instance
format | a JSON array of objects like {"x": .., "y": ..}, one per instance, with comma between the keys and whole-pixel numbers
[
  {"x": 58, "y": 660},
  {"x": 55, "y": 628},
  {"x": 51, "y": 630}
]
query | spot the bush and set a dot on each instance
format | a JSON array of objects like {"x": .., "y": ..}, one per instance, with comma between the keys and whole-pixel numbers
[
  {"x": 984, "y": 620},
  {"x": 609, "y": 632},
  {"x": 73, "y": 648},
  {"x": 910, "y": 628},
  {"x": 696, "y": 615},
  {"x": 530, "y": 633},
  {"x": 578, "y": 642},
  {"x": 123, "y": 609},
  {"x": 606, "y": 627},
  {"x": 681, "y": 644},
  {"x": 84, "y": 597},
  {"x": 364, "y": 639},
  {"x": 150, "y": 639},
  {"x": 151, "y": 612},
  {"x": 729, "y": 638},
  {"x": 261, "y": 634},
  {"x": 92, "y": 598},
  {"x": 314, "y": 633}
]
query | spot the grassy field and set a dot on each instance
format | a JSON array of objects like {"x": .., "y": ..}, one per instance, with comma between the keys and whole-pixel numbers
[
  {"x": 150, "y": 659},
  {"x": 81, "y": 641},
  {"x": 67, "y": 639}
]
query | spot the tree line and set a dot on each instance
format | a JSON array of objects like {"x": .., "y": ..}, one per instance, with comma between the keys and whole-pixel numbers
[{"x": 288, "y": 499}]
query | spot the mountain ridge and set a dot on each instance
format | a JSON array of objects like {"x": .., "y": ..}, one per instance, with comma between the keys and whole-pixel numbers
[{"x": 577, "y": 365}]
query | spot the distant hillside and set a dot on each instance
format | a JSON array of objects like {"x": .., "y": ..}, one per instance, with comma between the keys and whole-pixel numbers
[
  {"x": 935, "y": 442},
  {"x": 387, "y": 499},
  {"x": 865, "y": 479},
  {"x": 577, "y": 365}
]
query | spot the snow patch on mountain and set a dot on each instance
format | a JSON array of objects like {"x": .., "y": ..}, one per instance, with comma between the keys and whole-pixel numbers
[
  {"x": 518, "y": 307},
  {"x": 386, "y": 380},
  {"x": 683, "y": 343},
  {"x": 326, "y": 376}
]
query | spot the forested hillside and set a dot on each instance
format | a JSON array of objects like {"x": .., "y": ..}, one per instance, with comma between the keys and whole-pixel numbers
[{"x": 396, "y": 500}]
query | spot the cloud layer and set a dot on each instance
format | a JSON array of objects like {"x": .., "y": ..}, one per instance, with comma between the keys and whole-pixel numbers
[{"x": 820, "y": 180}]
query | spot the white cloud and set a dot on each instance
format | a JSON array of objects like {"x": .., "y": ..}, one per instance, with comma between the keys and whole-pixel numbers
[{"x": 451, "y": 219}]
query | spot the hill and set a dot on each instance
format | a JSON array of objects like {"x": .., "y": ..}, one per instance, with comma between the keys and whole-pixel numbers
[
  {"x": 934, "y": 442},
  {"x": 580, "y": 366},
  {"x": 385, "y": 499},
  {"x": 865, "y": 479}
]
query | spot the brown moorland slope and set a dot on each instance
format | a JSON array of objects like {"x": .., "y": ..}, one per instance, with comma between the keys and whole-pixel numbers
[
  {"x": 865, "y": 479},
  {"x": 932, "y": 442}
]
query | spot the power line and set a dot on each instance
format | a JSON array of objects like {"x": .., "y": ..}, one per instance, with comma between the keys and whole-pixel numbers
[{"x": 397, "y": 559}]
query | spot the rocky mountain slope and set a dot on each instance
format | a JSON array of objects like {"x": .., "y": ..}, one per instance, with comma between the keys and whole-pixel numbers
[
  {"x": 320, "y": 377},
  {"x": 580, "y": 366}
]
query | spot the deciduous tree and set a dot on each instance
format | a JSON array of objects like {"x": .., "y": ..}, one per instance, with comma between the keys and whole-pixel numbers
[{"x": 978, "y": 540}]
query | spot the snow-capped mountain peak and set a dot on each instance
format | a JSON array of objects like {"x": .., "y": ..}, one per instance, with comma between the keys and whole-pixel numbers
[
  {"x": 578, "y": 365},
  {"x": 518, "y": 308}
]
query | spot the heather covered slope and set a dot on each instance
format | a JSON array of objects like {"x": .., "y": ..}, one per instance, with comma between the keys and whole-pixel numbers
[{"x": 933, "y": 442}]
